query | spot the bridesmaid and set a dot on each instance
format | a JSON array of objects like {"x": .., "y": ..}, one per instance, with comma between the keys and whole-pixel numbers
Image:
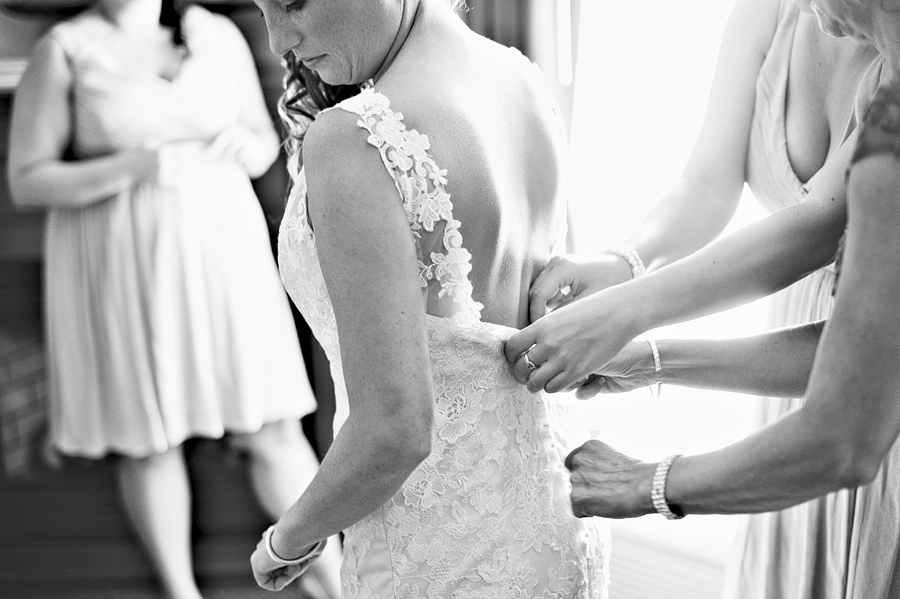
[
  {"x": 782, "y": 104},
  {"x": 139, "y": 127},
  {"x": 845, "y": 434}
]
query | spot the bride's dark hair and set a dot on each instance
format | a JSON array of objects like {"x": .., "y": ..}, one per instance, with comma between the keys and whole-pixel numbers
[
  {"x": 304, "y": 97},
  {"x": 170, "y": 15}
]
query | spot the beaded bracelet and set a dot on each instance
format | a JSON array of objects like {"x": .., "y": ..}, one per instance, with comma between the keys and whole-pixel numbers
[
  {"x": 655, "y": 387},
  {"x": 658, "y": 490},
  {"x": 631, "y": 257},
  {"x": 309, "y": 556}
]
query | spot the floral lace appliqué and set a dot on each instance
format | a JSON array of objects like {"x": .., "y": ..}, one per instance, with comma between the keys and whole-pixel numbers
[{"x": 422, "y": 188}]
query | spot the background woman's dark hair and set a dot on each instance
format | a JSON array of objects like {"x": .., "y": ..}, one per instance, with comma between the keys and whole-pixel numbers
[
  {"x": 170, "y": 14},
  {"x": 304, "y": 97}
]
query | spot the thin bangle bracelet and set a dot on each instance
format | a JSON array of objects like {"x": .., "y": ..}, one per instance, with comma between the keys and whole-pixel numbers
[
  {"x": 655, "y": 387},
  {"x": 309, "y": 556}
]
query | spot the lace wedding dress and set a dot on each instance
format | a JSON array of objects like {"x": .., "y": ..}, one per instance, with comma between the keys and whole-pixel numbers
[{"x": 488, "y": 513}]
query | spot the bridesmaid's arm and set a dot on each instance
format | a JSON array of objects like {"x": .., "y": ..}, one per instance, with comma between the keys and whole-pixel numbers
[
  {"x": 775, "y": 364},
  {"x": 368, "y": 257},
  {"x": 758, "y": 260},
  {"x": 697, "y": 209},
  {"x": 851, "y": 417},
  {"x": 701, "y": 203},
  {"x": 40, "y": 132}
]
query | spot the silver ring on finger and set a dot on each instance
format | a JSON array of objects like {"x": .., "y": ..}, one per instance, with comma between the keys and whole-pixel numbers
[{"x": 528, "y": 363}]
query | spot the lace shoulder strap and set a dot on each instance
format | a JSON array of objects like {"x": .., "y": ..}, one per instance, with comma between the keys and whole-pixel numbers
[{"x": 444, "y": 263}]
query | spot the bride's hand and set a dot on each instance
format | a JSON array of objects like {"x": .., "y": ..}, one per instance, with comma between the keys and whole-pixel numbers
[
  {"x": 235, "y": 143},
  {"x": 569, "y": 278},
  {"x": 268, "y": 574},
  {"x": 271, "y": 575},
  {"x": 631, "y": 369},
  {"x": 565, "y": 347}
]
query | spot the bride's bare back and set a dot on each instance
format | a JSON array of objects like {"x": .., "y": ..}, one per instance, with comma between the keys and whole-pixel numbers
[{"x": 492, "y": 125}]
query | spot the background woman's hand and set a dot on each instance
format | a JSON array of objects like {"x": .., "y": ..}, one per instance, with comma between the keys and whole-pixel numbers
[
  {"x": 236, "y": 143},
  {"x": 270, "y": 575},
  {"x": 608, "y": 483},
  {"x": 571, "y": 277}
]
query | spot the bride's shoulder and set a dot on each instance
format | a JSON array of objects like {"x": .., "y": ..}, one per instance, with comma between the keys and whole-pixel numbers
[
  {"x": 341, "y": 125},
  {"x": 369, "y": 116},
  {"x": 338, "y": 154}
]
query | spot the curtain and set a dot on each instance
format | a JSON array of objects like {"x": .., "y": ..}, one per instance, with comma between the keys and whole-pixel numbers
[{"x": 642, "y": 77}]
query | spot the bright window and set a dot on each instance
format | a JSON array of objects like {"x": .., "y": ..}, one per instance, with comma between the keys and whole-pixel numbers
[{"x": 642, "y": 76}]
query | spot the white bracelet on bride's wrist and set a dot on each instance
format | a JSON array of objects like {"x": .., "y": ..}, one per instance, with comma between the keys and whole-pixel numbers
[
  {"x": 630, "y": 256},
  {"x": 309, "y": 556}
]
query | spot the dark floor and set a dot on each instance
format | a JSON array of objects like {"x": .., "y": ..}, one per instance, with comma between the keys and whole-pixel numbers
[
  {"x": 63, "y": 535},
  {"x": 237, "y": 589}
]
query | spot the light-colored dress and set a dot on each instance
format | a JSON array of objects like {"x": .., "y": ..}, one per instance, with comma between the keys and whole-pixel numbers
[
  {"x": 166, "y": 318},
  {"x": 827, "y": 548},
  {"x": 488, "y": 513}
]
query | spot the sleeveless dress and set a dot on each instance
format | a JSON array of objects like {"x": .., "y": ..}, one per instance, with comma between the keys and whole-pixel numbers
[
  {"x": 814, "y": 550},
  {"x": 165, "y": 314},
  {"x": 487, "y": 514}
]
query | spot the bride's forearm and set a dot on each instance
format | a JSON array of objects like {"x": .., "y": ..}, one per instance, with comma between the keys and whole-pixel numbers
[
  {"x": 363, "y": 468},
  {"x": 370, "y": 269}
]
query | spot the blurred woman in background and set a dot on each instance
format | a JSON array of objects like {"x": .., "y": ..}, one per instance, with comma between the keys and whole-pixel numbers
[{"x": 139, "y": 127}]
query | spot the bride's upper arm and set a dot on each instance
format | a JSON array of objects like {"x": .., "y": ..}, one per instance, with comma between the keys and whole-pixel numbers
[{"x": 370, "y": 265}]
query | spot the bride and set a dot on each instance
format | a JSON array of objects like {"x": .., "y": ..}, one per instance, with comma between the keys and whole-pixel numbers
[{"x": 427, "y": 205}]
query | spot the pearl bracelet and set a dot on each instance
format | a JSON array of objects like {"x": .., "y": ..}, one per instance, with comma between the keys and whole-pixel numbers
[
  {"x": 658, "y": 490},
  {"x": 655, "y": 387},
  {"x": 308, "y": 557},
  {"x": 631, "y": 257}
]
